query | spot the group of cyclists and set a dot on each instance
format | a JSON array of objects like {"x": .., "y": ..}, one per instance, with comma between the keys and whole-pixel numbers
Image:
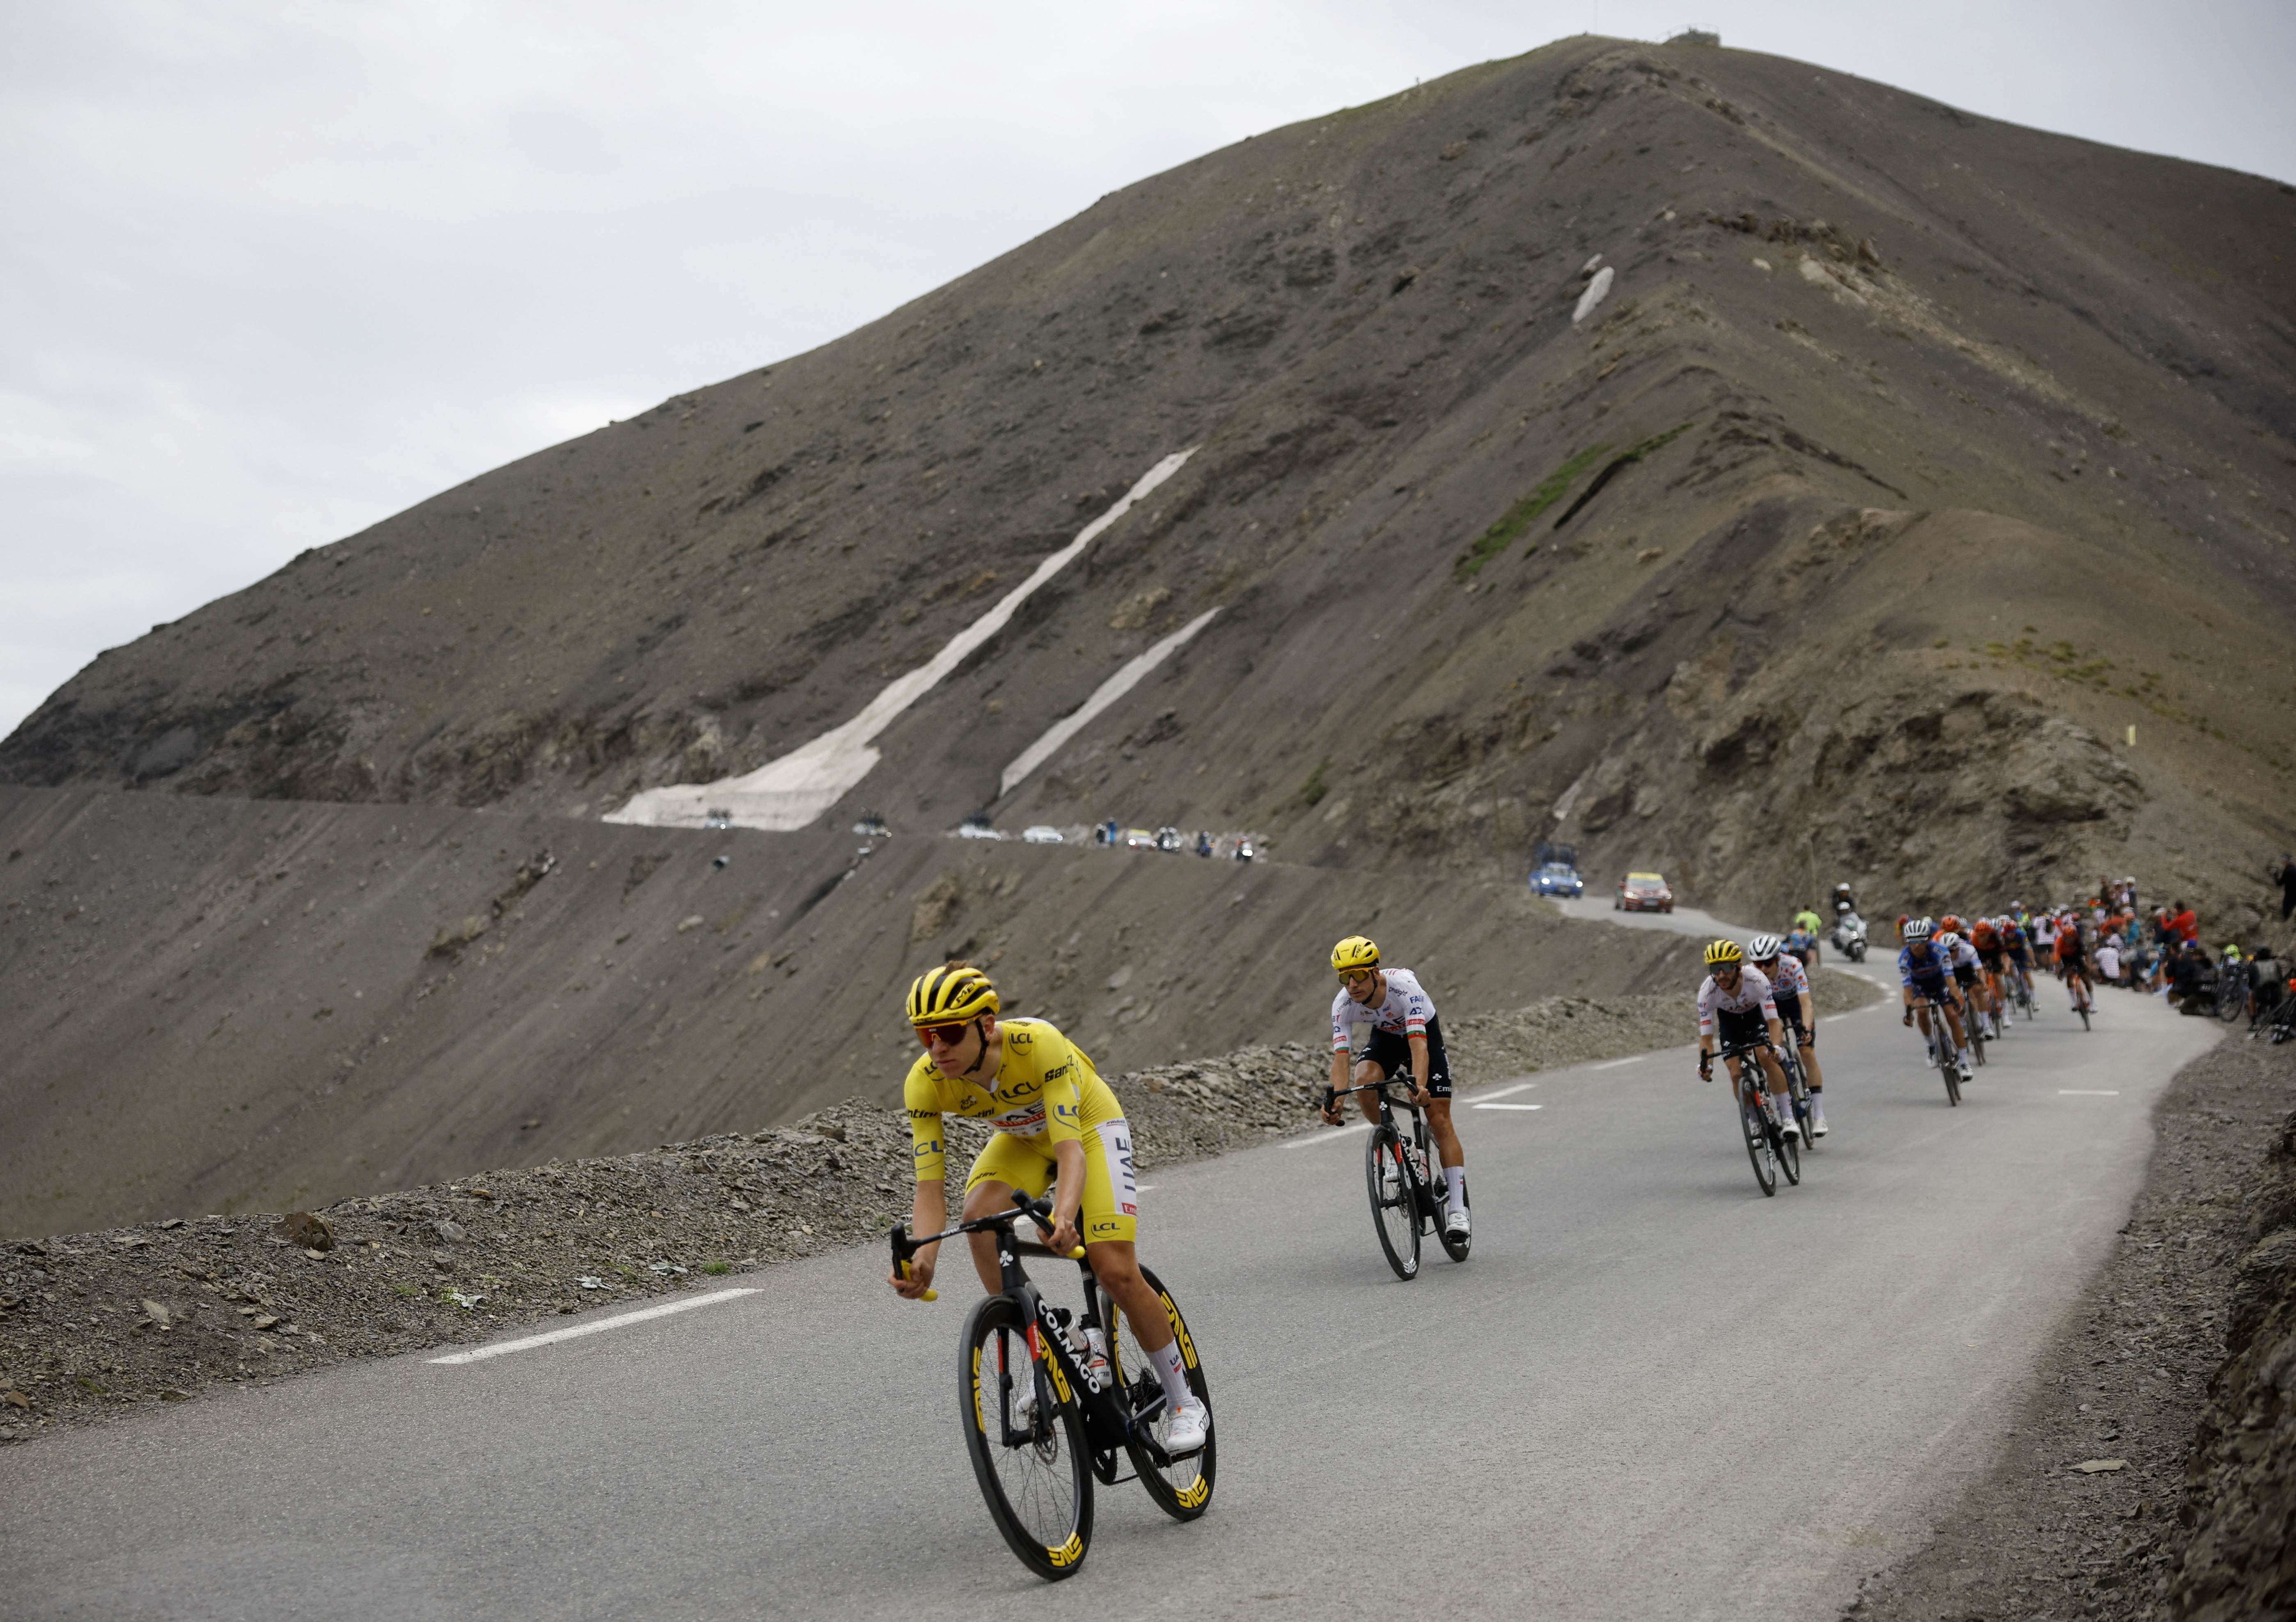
[{"x": 1058, "y": 1127}]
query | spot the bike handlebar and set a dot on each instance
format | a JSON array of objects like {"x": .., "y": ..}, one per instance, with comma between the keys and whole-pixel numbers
[{"x": 904, "y": 1247}]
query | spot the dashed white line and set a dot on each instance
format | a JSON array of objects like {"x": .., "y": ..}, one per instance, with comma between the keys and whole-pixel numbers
[
  {"x": 2089, "y": 1092},
  {"x": 1327, "y": 1135},
  {"x": 1520, "y": 1087},
  {"x": 1509, "y": 1106},
  {"x": 1613, "y": 1064},
  {"x": 480, "y": 1354}
]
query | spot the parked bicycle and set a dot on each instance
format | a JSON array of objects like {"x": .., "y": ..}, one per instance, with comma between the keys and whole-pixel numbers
[
  {"x": 1050, "y": 1400},
  {"x": 1406, "y": 1203}
]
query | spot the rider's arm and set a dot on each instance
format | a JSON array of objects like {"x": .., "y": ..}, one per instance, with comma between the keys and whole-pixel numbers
[
  {"x": 1808, "y": 1013},
  {"x": 1068, "y": 1195},
  {"x": 1421, "y": 1064}
]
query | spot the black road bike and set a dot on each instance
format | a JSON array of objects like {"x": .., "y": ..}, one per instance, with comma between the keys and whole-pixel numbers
[
  {"x": 1768, "y": 1146},
  {"x": 1049, "y": 1399},
  {"x": 1796, "y": 1083},
  {"x": 1408, "y": 1200},
  {"x": 1972, "y": 1021},
  {"x": 1940, "y": 1036}
]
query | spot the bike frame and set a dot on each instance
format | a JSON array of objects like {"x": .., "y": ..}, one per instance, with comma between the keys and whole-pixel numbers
[
  {"x": 1108, "y": 1424},
  {"x": 1419, "y": 1136}
]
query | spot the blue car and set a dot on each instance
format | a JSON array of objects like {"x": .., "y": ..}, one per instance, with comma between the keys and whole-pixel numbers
[{"x": 1557, "y": 879}]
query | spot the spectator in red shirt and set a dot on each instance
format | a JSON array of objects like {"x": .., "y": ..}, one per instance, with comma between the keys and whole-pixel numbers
[{"x": 2184, "y": 926}]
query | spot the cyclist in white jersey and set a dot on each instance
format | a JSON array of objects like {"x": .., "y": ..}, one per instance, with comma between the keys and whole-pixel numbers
[
  {"x": 1790, "y": 990},
  {"x": 1734, "y": 1004},
  {"x": 1404, "y": 1034}
]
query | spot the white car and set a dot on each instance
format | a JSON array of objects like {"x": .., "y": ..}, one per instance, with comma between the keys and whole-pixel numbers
[
  {"x": 977, "y": 830},
  {"x": 1043, "y": 833}
]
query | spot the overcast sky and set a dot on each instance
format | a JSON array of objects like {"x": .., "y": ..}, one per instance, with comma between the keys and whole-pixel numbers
[{"x": 274, "y": 271}]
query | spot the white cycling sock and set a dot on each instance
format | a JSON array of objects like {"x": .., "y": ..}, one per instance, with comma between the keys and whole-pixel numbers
[
  {"x": 1456, "y": 1176},
  {"x": 1961, "y": 1054},
  {"x": 1168, "y": 1369}
]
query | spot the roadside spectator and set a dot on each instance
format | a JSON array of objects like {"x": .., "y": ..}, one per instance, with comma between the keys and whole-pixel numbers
[
  {"x": 2108, "y": 959},
  {"x": 2187, "y": 971},
  {"x": 2266, "y": 979},
  {"x": 2182, "y": 927},
  {"x": 2286, "y": 877}
]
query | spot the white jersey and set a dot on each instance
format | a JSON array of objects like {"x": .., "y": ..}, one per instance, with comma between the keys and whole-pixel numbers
[
  {"x": 1406, "y": 1010},
  {"x": 1753, "y": 992},
  {"x": 1790, "y": 981}
]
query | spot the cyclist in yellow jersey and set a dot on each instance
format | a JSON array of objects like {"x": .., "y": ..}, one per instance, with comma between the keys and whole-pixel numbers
[{"x": 1057, "y": 1125}]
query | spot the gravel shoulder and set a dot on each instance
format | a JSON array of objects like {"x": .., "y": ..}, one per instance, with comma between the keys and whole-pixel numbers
[
  {"x": 2149, "y": 1474},
  {"x": 93, "y": 1324}
]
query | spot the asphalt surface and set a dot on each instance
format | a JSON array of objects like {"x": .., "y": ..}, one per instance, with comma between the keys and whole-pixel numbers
[{"x": 1651, "y": 1391}]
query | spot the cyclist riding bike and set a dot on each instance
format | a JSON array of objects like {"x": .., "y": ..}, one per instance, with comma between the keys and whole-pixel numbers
[
  {"x": 2072, "y": 965},
  {"x": 1735, "y": 1006},
  {"x": 1925, "y": 976},
  {"x": 1789, "y": 991},
  {"x": 1969, "y": 974},
  {"x": 1985, "y": 941},
  {"x": 2017, "y": 946},
  {"x": 1405, "y": 1035},
  {"x": 1057, "y": 1125}
]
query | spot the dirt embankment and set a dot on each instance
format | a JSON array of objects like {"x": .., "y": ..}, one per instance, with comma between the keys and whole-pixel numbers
[
  {"x": 93, "y": 1323},
  {"x": 2152, "y": 1473}
]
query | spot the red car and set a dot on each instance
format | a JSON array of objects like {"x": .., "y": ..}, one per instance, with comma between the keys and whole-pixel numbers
[{"x": 1644, "y": 893}]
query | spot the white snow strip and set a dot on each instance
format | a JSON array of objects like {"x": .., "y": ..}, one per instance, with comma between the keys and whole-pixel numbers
[
  {"x": 1520, "y": 1087},
  {"x": 1509, "y": 1106},
  {"x": 789, "y": 793},
  {"x": 1114, "y": 688},
  {"x": 1598, "y": 289},
  {"x": 1329, "y": 1135},
  {"x": 480, "y": 1354}
]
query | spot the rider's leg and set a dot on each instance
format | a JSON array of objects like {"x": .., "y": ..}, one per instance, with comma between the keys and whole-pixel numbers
[
  {"x": 986, "y": 1199},
  {"x": 1446, "y": 1147},
  {"x": 1366, "y": 1072}
]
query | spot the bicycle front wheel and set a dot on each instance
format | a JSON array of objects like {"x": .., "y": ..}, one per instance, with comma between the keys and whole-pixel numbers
[
  {"x": 1790, "y": 1155},
  {"x": 1758, "y": 1142},
  {"x": 1182, "y": 1488},
  {"x": 2230, "y": 1004},
  {"x": 1023, "y": 1434},
  {"x": 1394, "y": 1189}
]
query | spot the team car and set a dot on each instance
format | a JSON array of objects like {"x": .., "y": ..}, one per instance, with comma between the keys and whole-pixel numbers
[
  {"x": 1644, "y": 893},
  {"x": 1557, "y": 879}
]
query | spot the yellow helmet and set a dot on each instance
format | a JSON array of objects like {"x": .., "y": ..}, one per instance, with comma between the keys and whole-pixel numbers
[
  {"x": 948, "y": 995},
  {"x": 1356, "y": 952},
  {"x": 1723, "y": 951}
]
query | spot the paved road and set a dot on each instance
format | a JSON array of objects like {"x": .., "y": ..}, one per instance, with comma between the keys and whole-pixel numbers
[{"x": 1653, "y": 1392}]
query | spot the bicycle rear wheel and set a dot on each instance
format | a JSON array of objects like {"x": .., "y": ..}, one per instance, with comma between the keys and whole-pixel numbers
[
  {"x": 1952, "y": 1074},
  {"x": 1036, "y": 1476},
  {"x": 1789, "y": 1152},
  {"x": 1182, "y": 1488},
  {"x": 1758, "y": 1142},
  {"x": 1394, "y": 1190},
  {"x": 2232, "y": 1001}
]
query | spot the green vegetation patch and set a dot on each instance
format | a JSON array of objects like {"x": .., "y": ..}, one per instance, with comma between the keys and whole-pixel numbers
[
  {"x": 1315, "y": 788},
  {"x": 1520, "y": 517}
]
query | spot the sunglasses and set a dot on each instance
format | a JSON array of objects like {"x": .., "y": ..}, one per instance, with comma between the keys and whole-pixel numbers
[
  {"x": 1356, "y": 976},
  {"x": 942, "y": 1036}
]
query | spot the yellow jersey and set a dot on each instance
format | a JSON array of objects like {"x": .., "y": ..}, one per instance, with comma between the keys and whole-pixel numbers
[{"x": 1047, "y": 1091}]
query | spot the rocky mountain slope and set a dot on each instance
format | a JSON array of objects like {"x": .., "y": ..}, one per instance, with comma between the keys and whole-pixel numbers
[
  {"x": 1908, "y": 460},
  {"x": 1758, "y": 473}
]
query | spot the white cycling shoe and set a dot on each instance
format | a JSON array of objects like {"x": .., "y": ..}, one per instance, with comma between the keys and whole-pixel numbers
[
  {"x": 1191, "y": 1423},
  {"x": 1816, "y": 1118},
  {"x": 1788, "y": 1125},
  {"x": 1454, "y": 1222}
]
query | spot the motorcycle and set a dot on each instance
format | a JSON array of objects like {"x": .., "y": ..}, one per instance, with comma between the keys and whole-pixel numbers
[{"x": 1848, "y": 936}]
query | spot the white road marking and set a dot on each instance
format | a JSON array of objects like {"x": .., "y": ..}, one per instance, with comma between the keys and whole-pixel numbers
[
  {"x": 1327, "y": 1135},
  {"x": 1509, "y": 1106},
  {"x": 2089, "y": 1092},
  {"x": 480, "y": 1354},
  {"x": 1146, "y": 1188},
  {"x": 1520, "y": 1087},
  {"x": 1613, "y": 1064}
]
